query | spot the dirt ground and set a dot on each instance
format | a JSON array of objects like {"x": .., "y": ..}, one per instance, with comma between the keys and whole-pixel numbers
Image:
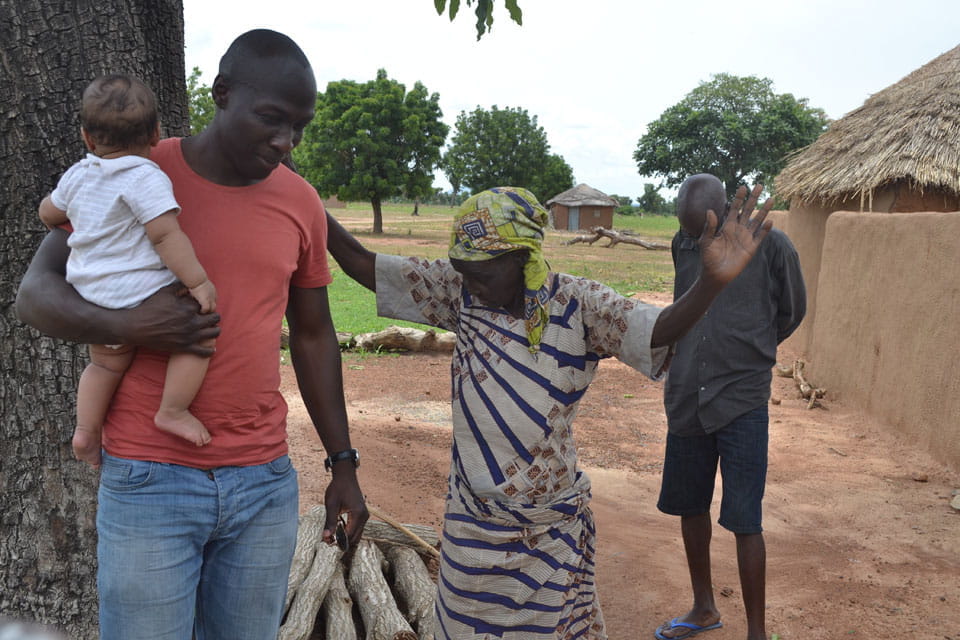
[{"x": 861, "y": 539}]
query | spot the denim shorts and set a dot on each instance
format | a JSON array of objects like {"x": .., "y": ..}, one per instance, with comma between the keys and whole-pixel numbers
[
  {"x": 690, "y": 469},
  {"x": 190, "y": 552}
]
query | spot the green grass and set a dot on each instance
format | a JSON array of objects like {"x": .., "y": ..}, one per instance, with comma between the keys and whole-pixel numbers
[
  {"x": 629, "y": 269},
  {"x": 354, "y": 307}
]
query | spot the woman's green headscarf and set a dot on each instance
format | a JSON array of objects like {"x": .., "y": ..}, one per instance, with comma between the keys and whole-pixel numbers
[{"x": 504, "y": 219}]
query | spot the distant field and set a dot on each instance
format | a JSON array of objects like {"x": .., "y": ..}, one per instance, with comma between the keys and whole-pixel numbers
[{"x": 629, "y": 269}]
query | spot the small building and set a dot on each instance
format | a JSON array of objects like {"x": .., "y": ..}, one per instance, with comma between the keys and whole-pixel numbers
[{"x": 582, "y": 207}]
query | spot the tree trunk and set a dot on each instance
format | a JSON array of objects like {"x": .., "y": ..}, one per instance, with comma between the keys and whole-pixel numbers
[
  {"x": 377, "y": 215},
  {"x": 51, "y": 51},
  {"x": 416, "y": 207}
]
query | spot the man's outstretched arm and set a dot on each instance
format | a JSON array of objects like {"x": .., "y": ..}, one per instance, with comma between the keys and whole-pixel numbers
[{"x": 48, "y": 303}]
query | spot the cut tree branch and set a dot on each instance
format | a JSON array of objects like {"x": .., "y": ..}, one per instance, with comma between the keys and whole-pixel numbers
[
  {"x": 807, "y": 391},
  {"x": 616, "y": 237}
]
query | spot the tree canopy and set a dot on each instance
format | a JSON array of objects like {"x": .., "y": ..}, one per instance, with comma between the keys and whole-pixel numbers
[
  {"x": 734, "y": 127},
  {"x": 504, "y": 147},
  {"x": 199, "y": 102},
  {"x": 372, "y": 141},
  {"x": 483, "y": 11},
  {"x": 651, "y": 201}
]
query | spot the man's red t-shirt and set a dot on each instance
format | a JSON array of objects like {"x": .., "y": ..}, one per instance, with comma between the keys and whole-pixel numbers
[{"x": 254, "y": 242}]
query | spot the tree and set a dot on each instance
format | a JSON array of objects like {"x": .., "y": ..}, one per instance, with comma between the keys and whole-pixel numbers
[
  {"x": 454, "y": 169},
  {"x": 504, "y": 147},
  {"x": 200, "y": 102},
  {"x": 52, "y": 49},
  {"x": 373, "y": 141},
  {"x": 651, "y": 201},
  {"x": 734, "y": 127},
  {"x": 484, "y": 12},
  {"x": 555, "y": 177}
]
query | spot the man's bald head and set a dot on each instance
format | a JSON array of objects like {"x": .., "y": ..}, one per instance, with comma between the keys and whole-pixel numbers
[
  {"x": 697, "y": 194},
  {"x": 258, "y": 45}
]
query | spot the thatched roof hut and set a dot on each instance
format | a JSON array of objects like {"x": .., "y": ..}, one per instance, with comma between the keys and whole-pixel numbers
[
  {"x": 906, "y": 134},
  {"x": 583, "y": 195}
]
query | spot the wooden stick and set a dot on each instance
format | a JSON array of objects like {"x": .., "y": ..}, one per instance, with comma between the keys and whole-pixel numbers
[
  {"x": 374, "y": 511},
  {"x": 384, "y": 532},
  {"x": 807, "y": 390}
]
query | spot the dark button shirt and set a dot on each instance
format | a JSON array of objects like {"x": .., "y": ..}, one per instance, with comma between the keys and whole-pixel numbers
[{"x": 722, "y": 367}]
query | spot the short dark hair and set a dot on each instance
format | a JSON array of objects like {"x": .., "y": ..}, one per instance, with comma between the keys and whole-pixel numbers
[
  {"x": 258, "y": 44},
  {"x": 118, "y": 110}
]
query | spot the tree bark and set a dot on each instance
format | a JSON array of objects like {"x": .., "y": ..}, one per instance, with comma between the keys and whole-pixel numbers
[
  {"x": 51, "y": 50},
  {"x": 418, "y": 593},
  {"x": 406, "y": 339},
  {"x": 616, "y": 237},
  {"x": 337, "y": 610},
  {"x": 383, "y": 532},
  {"x": 308, "y": 535},
  {"x": 308, "y": 598},
  {"x": 377, "y": 214},
  {"x": 381, "y": 617}
]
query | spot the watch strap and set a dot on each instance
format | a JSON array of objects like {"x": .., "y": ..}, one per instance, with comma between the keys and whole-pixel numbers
[{"x": 347, "y": 454}]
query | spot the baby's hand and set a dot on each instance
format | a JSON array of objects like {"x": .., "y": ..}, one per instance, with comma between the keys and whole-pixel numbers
[{"x": 206, "y": 294}]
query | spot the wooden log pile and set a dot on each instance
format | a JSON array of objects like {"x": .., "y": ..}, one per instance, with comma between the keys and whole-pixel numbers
[
  {"x": 616, "y": 237},
  {"x": 380, "y": 590}
]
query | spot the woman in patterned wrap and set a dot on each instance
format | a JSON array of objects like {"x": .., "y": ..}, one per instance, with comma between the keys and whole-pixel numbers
[{"x": 517, "y": 557}]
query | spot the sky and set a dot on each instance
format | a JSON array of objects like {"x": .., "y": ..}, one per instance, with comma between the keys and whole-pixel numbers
[{"x": 596, "y": 72}]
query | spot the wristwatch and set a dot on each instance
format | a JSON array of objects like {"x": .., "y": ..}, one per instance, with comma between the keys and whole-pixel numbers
[{"x": 349, "y": 454}]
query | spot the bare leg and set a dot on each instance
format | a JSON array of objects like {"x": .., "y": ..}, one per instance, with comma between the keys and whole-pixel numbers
[
  {"x": 185, "y": 374},
  {"x": 752, "y": 561},
  {"x": 94, "y": 392},
  {"x": 697, "y": 531}
]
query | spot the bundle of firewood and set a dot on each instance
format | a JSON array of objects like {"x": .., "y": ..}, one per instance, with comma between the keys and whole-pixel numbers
[{"x": 380, "y": 590}]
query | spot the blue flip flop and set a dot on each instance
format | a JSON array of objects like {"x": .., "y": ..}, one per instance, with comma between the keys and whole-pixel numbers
[{"x": 694, "y": 629}]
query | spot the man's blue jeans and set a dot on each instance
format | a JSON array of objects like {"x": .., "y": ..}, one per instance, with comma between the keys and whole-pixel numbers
[{"x": 184, "y": 551}]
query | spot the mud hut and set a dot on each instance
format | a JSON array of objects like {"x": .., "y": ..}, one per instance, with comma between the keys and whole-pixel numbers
[
  {"x": 896, "y": 153},
  {"x": 582, "y": 207},
  {"x": 873, "y": 214}
]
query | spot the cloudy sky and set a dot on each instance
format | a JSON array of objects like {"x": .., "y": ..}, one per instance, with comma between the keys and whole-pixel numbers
[{"x": 596, "y": 72}]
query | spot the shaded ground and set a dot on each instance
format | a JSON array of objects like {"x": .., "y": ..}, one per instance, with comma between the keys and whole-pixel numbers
[{"x": 861, "y": 539}]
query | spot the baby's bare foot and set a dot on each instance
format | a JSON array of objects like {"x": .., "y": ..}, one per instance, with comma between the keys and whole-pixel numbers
[{"x": 182, "y": 423}]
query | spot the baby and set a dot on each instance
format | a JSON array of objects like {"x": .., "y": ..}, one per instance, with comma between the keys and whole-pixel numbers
[{"x": 126, "y": 244}]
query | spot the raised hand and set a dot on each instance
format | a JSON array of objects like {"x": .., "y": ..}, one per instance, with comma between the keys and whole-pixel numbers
[{"x": 727, "y": 251}]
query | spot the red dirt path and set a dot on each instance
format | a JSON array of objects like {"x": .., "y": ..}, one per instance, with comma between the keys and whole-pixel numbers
[{"x": 861, "y": 539}]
